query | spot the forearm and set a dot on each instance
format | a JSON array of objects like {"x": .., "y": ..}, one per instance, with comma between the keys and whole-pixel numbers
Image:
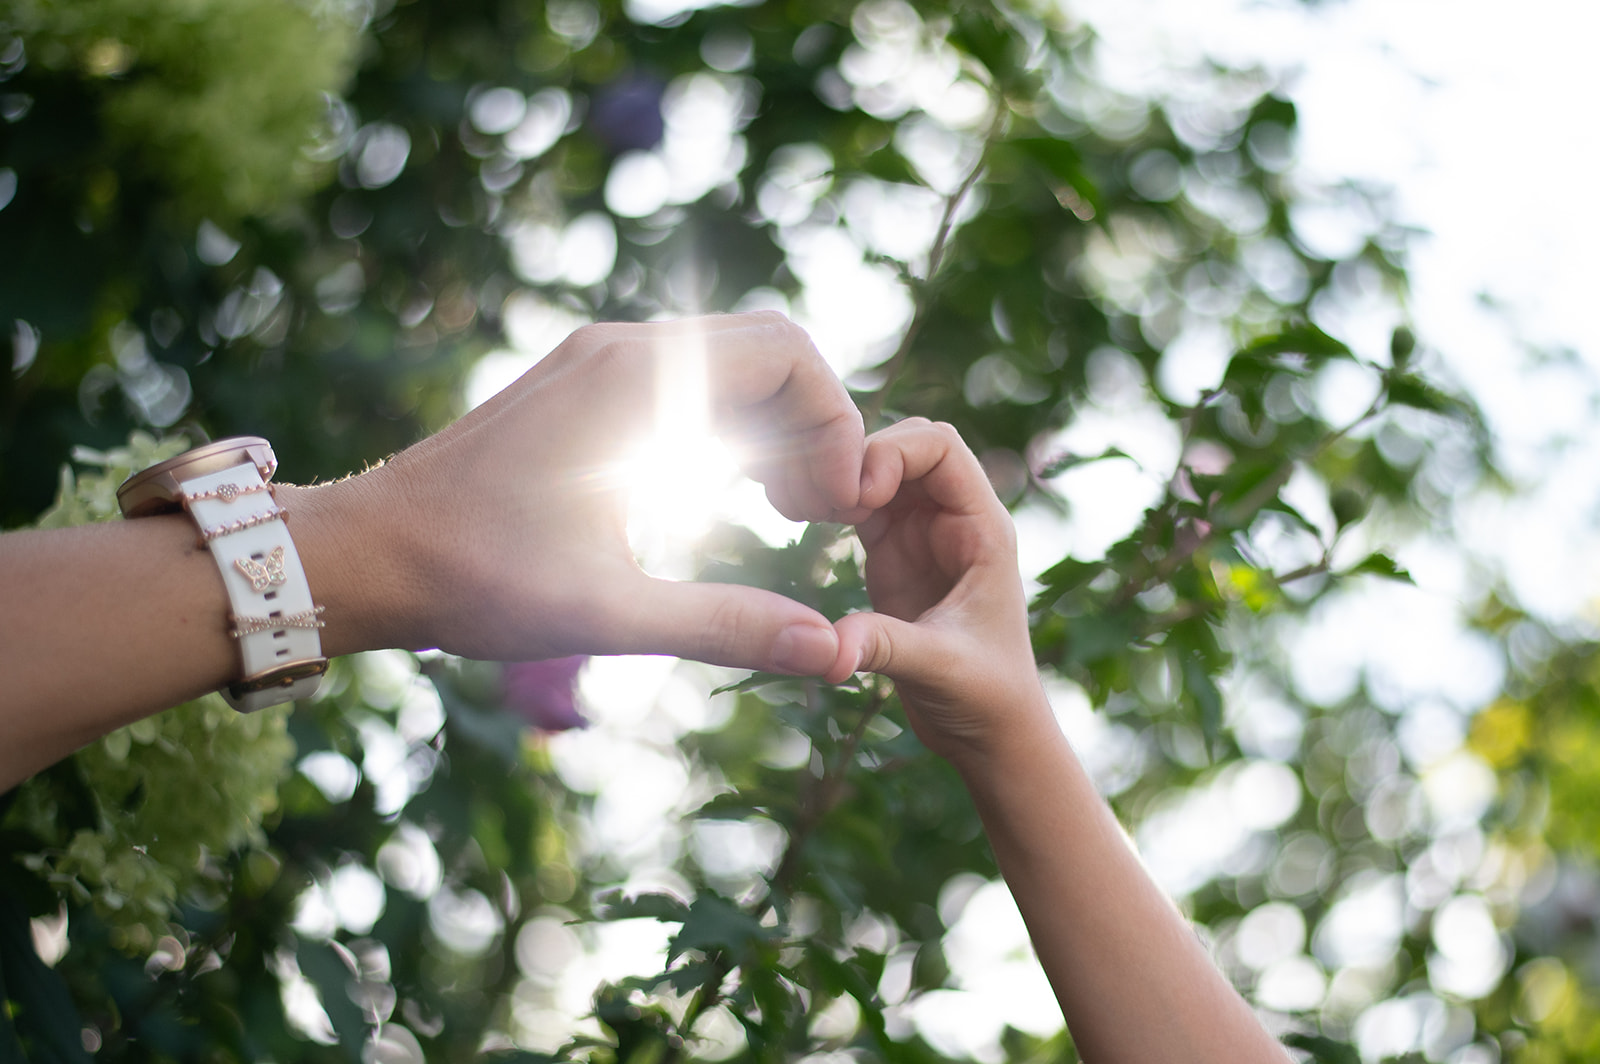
[
  {"x": 503, "y": 537},
  {"x": 104, "y": 624},
  {"x": 1133, "y": 980},
  {"x": 950, "y": 627}
]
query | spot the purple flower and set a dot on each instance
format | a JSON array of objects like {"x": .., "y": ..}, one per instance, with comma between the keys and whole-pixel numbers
[
  {"x": 626, "y": 114},
  {"x": 543, "y": 693}
]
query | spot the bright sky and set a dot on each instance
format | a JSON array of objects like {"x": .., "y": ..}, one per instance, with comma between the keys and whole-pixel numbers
[{"x": 1478, "y": 118}]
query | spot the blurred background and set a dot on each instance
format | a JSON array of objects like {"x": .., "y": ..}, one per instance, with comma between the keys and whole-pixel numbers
[{"x": 1269, "y": 320}]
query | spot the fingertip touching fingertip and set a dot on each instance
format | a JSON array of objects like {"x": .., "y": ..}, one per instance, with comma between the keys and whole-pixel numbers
[
  {"x": 846, "y": 665},
  {"x": 805, "y": 650},
  {"x": 853, "y": 516}
]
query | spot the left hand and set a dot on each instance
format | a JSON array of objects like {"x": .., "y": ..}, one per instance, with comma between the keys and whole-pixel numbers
[
  {"x": 951, "y": 622},
  {"x": 508, "y": 528}
]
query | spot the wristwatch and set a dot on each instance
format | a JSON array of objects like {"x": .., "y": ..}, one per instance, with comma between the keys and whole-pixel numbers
[{"x": 223, "y": 486}]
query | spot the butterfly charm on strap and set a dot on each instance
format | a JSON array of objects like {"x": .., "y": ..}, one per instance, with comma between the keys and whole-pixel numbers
[{"x": 263, "y": 574}]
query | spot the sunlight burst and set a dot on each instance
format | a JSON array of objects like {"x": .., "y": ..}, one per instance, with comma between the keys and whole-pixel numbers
[{"x": 681, "y": 476}]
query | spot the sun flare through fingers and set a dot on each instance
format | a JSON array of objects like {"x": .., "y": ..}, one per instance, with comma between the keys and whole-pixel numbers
[
  {"x": 680, "y": 477},
  {"x": 682, "y": 480}
]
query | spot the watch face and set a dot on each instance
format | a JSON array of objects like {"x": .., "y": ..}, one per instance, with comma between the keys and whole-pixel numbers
[{"x": 156, "y": 491}]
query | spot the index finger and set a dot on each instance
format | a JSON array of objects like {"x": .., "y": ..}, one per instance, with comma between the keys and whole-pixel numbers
[
  {"x": 763, "y": 384},
  {"x": 934, "y": 457},
  {"x": 782, "y": 402}
]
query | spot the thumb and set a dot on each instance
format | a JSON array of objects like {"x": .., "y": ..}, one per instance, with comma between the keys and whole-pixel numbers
[
  {"x": 877, "y": 642},
  {"x": 729, "y": 624}
]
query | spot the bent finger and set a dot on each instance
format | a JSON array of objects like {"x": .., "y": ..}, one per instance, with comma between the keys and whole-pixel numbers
[
  {"x": 789, "y": 410},
  {"x": 931, "y": 455},
  {"x": 757, "y": 376}
]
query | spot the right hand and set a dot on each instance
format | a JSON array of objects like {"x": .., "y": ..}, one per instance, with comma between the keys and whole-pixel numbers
[{"x": 951, "y": 622}]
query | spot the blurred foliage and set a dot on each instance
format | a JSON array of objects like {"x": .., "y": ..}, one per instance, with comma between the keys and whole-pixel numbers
[
  {"x": 310, "y": 221},
  {"x": 217, "y": 102},
  {"x": 148, "y": 814},
  {"x": 1543, "y": 737}
]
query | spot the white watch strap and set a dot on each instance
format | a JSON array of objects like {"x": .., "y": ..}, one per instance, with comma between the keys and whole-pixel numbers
[{"x": 276, "y": 621}]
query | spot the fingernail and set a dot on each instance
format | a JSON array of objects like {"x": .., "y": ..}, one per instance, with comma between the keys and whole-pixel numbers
[{"x": 804, "y": 649}]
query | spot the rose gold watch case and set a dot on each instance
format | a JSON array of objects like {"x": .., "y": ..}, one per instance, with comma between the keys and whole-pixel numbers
[{"x": 155, "y": 491}]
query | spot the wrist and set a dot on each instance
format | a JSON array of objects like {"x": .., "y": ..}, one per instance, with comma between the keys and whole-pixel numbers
[
  {"x": 355, "y": 554},
  {"x": 1019, "y": 734},
  {"x": 1010, "y": 783}
]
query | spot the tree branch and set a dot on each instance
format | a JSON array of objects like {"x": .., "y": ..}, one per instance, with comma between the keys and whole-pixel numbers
[
  {"x": 816, "y": 803},
  {"x": 1161, "y": 571},
  {"x": 923, "y": 301},
  {"x": 820, "y": 798}
]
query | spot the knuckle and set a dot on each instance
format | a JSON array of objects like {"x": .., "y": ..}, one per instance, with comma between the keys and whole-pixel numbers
[
  {"x": 774, "y": 319},
  {"x": 845, "y": 424},
  {"x": 605, "y": 340},
  {"x": 789, "y": 334},
  {"x": 611, "y": 367},
  {"x": 591, "y": 337},
  {"x": 595, "y": 345},
  {"x": 878, "y": 654},
  {"x": 1006, "y": 533}
]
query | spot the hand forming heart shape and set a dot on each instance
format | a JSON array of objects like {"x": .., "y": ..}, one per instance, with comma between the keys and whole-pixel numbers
[{"x": 509, "y": 527}]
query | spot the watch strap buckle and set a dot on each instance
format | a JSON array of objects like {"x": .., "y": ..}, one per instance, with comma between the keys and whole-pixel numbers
[{"x": 242, "y": 694}]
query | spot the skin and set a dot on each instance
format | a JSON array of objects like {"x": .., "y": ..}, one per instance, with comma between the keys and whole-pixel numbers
[
  {"x": 500, "y": 538},
  {"x": 951, "y": 630}
]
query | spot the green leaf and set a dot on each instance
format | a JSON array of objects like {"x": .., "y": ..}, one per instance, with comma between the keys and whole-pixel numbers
[
  {"x": 1066, "y": 576},
  {"x": 753, "y": 681},
  {"x": 889, "y": 165},
  {"x": 1406, "y": 389},
  {"x": 1401, "y": 344},
  {"x": 641, "y": 1030},
  {"x": 1089, "y": 638},
  {"x": 746, "y": 802},
  {"x": 984, "y": 37},
  {"x": 656, "y": 906},
  {"x": 715, "y": 923},
  {"x": 1297, "y": 518},
  {"x": 1245, "y": 489},
  {"x": 1061, "y": 463},
  {"x": 1063, "y": 162},
  {"x": 837, "y": 977},
  {"x": 492, "y": 731},
  {"x": 1348, "y": 506},
  {"x": 1200, "y": 687},
  {"x": 1323, "y": 1050},
  {"x": 1303, "y": 339},
  {"x": 1247, "y": 375},
  {"x": 1274, "y": 109},
  {"x": 684, "y": 979},
  {"x": 1380, "y": 564}
]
